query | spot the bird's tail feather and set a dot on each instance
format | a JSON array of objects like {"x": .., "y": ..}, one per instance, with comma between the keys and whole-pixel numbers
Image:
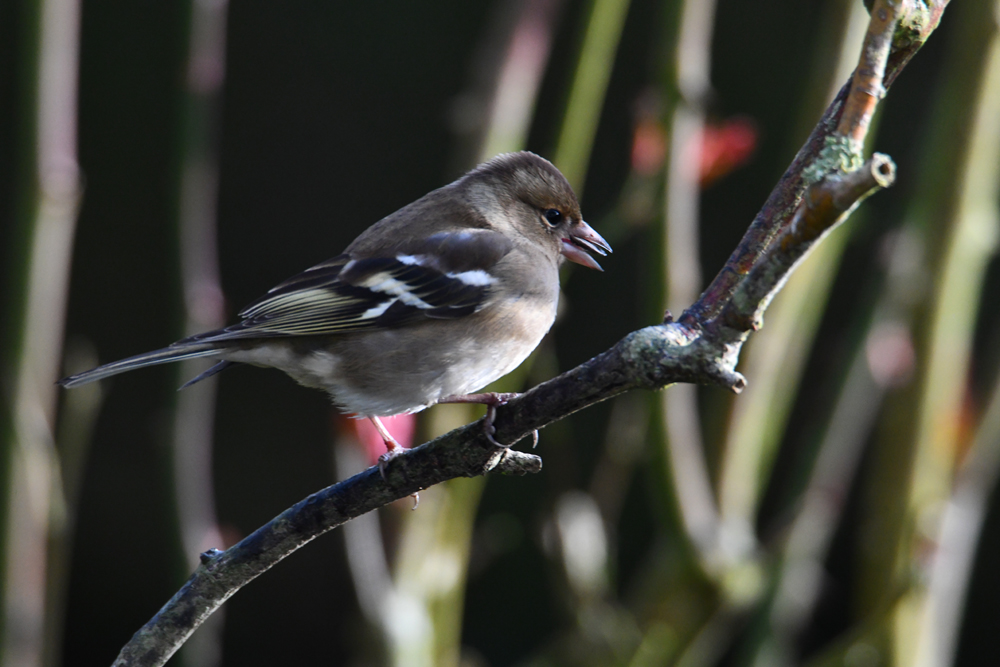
[{"x": 162, "y": 356}]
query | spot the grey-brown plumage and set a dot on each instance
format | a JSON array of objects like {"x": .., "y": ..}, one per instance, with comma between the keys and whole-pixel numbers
[{"x": 432, "y": 302}]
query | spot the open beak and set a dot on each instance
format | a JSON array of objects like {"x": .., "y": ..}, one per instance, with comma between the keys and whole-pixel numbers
[{"x": 580, "y": 238}]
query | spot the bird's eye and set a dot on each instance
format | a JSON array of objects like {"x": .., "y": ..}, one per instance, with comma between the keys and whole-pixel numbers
[{"x": 553, "y": 216}]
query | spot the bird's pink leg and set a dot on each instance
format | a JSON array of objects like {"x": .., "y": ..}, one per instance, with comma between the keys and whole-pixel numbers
[
  {"x": 391, "y": 445},
  {"x": 492, "y": 400},
  {"x": 392, "y": 449}
]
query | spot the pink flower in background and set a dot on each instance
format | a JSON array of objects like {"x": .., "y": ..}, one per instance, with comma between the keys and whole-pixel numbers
[
  {"x": 720, "y": 148},
  {"x": 726, "y": 146}
]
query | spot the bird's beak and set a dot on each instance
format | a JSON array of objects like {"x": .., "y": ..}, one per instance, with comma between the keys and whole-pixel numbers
[{"x": 580, "y": 238}]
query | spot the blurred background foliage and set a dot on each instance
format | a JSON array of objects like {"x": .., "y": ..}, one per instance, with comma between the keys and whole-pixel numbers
[{"x": 164, "y": 163}]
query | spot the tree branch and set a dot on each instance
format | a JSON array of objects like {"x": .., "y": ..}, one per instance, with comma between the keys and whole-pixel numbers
[
  {"x": 461, "y": 453},
  {"x": 822, "y": 186},
  {"x": 906, "y": 35}
]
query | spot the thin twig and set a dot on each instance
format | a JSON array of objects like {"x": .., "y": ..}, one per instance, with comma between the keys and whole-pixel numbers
[
  {"x": 912, "y": 31},
  {"x": 825, "y": 205},
  {"x": 866, "y": 84}
]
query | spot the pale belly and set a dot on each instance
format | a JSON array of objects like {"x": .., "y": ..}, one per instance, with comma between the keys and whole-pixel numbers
[{"x": 374, "y": 374}]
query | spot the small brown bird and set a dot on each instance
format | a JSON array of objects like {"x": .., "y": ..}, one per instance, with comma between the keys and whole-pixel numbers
[{"x": 429, "y": 304}]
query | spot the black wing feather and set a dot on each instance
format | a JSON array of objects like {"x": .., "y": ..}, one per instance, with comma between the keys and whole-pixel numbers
[{"x": 443, "y": 277}]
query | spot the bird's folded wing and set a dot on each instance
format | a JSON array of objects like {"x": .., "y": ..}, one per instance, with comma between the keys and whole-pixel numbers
[{"x": 445, "y": 276}]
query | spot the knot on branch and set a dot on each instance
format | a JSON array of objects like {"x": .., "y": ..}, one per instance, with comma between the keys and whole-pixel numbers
[
  {"x": 679, "y": 352},
  {"x": 207, "y": 557},
  {"x": 513, "y": 462}
]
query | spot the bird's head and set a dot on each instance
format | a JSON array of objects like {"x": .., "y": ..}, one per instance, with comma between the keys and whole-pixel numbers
[{"x": 541, "y": 203}]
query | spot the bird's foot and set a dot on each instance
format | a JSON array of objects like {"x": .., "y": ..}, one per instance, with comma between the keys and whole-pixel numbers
[
  {"x": 392, "y": 450},
  {"x": 383, "y": 461},
  {"x": 492, "y": 400}
]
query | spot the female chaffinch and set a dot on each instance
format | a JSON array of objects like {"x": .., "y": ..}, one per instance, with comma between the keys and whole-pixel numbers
[{"x": 429, "y": 304}]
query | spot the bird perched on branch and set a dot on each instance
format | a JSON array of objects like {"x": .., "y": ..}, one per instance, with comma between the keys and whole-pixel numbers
[{"x": 429, "y": 304}]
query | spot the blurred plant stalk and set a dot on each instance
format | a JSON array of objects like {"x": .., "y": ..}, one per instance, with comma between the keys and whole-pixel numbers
[
  {"x": 776, "y": 361},
  {"x": 669, "y": 619},
  {"x": 918, "y": 440},
  {"x": 976, "y": 478},
  {"x": 967, "y": 238},
  {"x": 47, "y": 203},
  {"x": 595, "y": 60},
  {"x": 687, "y": 89},
  {"x": 204, "y": 304},
  {"x": 416, "y": 606}
]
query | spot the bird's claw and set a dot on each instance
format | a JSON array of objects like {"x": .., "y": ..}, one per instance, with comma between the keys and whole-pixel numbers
[
  {"x": 383, "y": 461},
  {"x": 492, "y": 400},
  {"x": 489, "y": 429},
  {"x": 491, "y": 413}
]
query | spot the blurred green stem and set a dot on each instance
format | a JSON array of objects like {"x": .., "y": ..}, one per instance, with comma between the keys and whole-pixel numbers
[
  {"x": 798, "y": 582},
  {"x": 604, "y": 24},
  {"x": 688, "y": 79},
  {"x": 513, "y": 89},
  {"x": 916, "y": 448},
  {"x": 203, "y": 299},
  {"x": 682, "y": 474},
  {"x": 77, "y": 418},
  {"x": 204, "y": 304},
  {"x": 961, "y": 528},
  {"x": 775, "y": 361},
  {"x": 974, "y": 242},
  {"x": 431, "y": 569},
  {"x": 47, "y": 206}
]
